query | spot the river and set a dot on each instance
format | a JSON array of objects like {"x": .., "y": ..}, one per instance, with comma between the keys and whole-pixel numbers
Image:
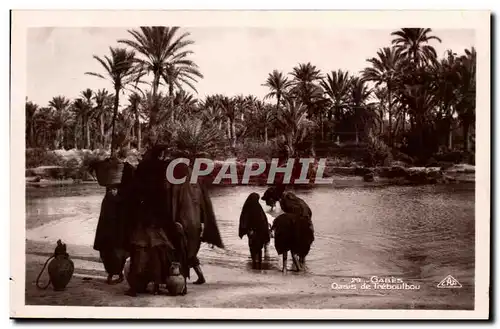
[{"x": 419, "y": 233}]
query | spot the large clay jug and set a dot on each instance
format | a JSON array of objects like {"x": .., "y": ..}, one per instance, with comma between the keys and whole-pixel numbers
[
  {"x": 176, "y": 283},
  {"x": 60, "y": 268}
]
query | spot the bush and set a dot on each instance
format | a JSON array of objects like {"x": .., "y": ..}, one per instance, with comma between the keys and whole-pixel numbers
[
  {"x": 456, "y": 156},
  {"x": 378, "y": 153},
  {"x": 40, "y": 157},
  {"x": 402, "y": 157},
  {"x": 257, "y": 149},
  {"x": 341, "y": 162}
]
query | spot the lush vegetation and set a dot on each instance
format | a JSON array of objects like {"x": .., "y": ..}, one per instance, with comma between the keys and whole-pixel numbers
[{"x": 408, "y": 104}]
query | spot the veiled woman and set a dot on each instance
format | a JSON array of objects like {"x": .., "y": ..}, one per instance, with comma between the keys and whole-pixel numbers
[
  {"x": 190, "y": 205},
  {"x": 154, "y": 242},
  {"x": 294, "y": 229},
  {"x": 186, "y": 204},
  {"x": 292, "y": 204},
  {"x": 111, "y": 233},
  {"x": 254, "y": 224}
]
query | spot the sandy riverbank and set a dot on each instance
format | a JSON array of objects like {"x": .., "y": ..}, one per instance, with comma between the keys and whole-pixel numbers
[{"x": 225, "y": 288}]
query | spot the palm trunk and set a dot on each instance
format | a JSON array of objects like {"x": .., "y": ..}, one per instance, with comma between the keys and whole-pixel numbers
[
  {"x": 56, "y": 140},
  {"x": 83, "y": 133},
  {"x": 103, "y": 137},
  {"x": 156, "y": 83},
  {"x": 390, "y": 117},
  {"x": 32, "y": 134},
  {"x": 138, "y": 127},
  {"x": 61, "y": 141},
  {"x": 233, "y": 134},
  {"x": 265, "y": 135},
  {"x": 322, "y": 127},
  {"x": 171, "y": 90},
  {"x": 87, "y": 128},
  {"x": 113, "y": 122},
  {"x": 75, "y": 136}
]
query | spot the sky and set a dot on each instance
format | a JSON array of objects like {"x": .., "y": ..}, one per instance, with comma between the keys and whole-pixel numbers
[{"x": 233, "y": 60}]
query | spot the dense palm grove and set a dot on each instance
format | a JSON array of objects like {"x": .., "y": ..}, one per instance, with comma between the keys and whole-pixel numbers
[{"x": 408, "y": 104}]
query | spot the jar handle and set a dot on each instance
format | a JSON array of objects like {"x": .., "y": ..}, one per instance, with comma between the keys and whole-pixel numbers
[{"x": 39, "y": 275}]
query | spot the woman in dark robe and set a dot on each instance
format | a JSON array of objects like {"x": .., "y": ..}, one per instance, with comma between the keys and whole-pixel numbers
[
  {"x": 152, "y": 236},
  {"x": 293, "y": 230},
  {"x": 150, "y": 254},
  {"x": 162, "y": 205},
  {"x": 190, "y": 205},
  {"x": 111, "y": 233},
  {"x": 108, "y": 237},
  {"x": 303, "y": 225},
  {"x": 254, "y": 224}
]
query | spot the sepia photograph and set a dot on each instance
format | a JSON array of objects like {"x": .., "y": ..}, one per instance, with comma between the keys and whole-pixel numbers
[{"x": 246, "y": 164}]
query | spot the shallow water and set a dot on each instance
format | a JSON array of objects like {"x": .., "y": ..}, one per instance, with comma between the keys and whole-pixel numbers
[{"x": 420, "y": 234}]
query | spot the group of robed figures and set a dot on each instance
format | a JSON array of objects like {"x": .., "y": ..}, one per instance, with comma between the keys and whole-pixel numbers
[{"x": 155, "y": 223}]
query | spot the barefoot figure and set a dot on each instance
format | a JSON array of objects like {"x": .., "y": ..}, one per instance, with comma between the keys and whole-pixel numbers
[
  {"x": 110, "y": 236},
  {"x": 254, "y": 224},
  {"x": 293, "y": 230}
]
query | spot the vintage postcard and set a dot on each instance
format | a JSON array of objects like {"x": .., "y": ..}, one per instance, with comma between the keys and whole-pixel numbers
[{"x": 250, "y": 164}]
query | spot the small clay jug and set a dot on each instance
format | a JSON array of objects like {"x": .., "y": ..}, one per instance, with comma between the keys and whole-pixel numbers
[
  {"x": 60, "y": 268},
  {"x": 175, "y": 282}
]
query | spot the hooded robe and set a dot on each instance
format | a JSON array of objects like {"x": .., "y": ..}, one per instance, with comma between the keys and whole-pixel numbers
[
  {"x": 294, "y": 229},
  {"x": 190, "y": 205},
  {"x": 254, "y": 224},
  {"x": 112, "y": 227}
]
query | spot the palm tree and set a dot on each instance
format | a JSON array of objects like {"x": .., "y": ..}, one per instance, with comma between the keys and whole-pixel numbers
[
  {"x": 446, "y": 73},
  {"x": 360, "y": 94},
  {"x": 419, "y": 100},
  {"x": 466, "y": 105},
  {"x": 211, "y": 111},
  {"x": 381, "y": 95},
  {"x": 120, "y": 72},
  {"x": 336, "y": 87},
  {"x": 264, "y": 116},
  {"x": 386, "y": 69},
  {"x": 278, "y": 85},
  {"x": 305, "y": 88},
  {"x": 79, "y": 109},
  {"x": 104, "y": 103},
  {"x": 194, "y": 138},
  {"x": 157, "y": 108},
  {"x": 134, "y": 109},
  {"x": 31, "y": 111},
  {"x": 183, "y": 103},
  {"x": 293, "y": 123},
  {"x": 43, "y": 122},
  {"x": 413, "y": 43},
  {"x": 87, "y": 95},
  {"x": 178, "y": 74},
  {"x": 305, "y": 73},
  {"x": 164, "y": 55},
  {"x": 60, "y": 105}
]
